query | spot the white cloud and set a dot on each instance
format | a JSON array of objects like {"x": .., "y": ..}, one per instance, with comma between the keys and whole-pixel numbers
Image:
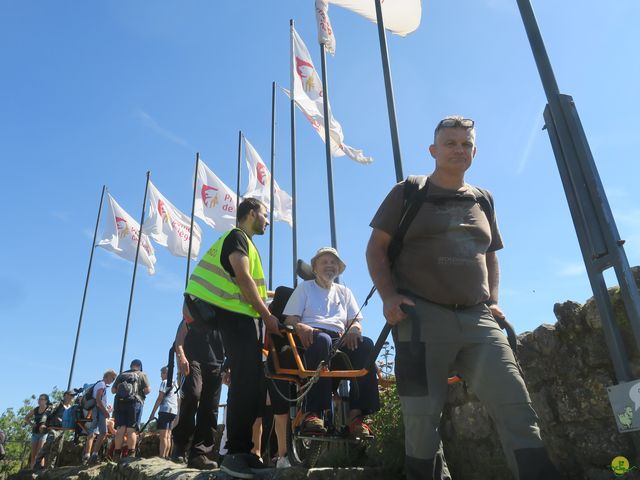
[
  {"x": 535, "y": 130},
  {"x": 63, "y": 216},
  {"x": 148, "y": 121}
]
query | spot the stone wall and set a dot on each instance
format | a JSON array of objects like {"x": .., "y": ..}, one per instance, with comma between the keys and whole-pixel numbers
[{"x": 567, "y": 369}]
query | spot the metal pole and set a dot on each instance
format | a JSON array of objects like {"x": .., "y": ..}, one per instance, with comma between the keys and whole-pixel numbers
[
  {"x": 539, "y": 51},
  {"x": 135, "y": 268},
  {"x": 193, "y": 207},
  {"x": 391, "y": 106},
  {"x": 273, "y": 185},
  {"x": 327, "y": 144},
  {"x": 294, "y": 240},
  {"x": 238, "y": 174},
  {"x": 86, "y": 286}
]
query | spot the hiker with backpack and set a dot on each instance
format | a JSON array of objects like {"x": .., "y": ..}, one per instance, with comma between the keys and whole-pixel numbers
[
  {"x": 94, "y": 398},
  {"x": 432, "y": 257},
  {"x": 200, "y": 354},
  {"x": 39, "y": 430},
  {"x": 130, "y": 390},
  {"x": 53, "y": 441},
  {"x": 167, "y": 403},
  {"x": 326, "y": 317}
]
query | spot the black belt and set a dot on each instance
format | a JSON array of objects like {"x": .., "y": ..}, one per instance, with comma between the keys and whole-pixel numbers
[{"x": 449, "y": 306}]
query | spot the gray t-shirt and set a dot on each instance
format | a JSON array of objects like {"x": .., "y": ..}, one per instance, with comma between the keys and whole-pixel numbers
[{"x": 443, "y": 256}]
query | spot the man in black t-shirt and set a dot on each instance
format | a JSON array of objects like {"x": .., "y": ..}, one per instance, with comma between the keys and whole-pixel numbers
[{"x": 200, "y": 355}]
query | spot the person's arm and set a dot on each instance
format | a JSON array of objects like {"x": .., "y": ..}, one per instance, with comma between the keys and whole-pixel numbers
[
  {"x": 147, "y": 386},
  {"x": 493, "y": 272},
  {"x": 248, "y": 288},
  {"x": 304, "y": 331},
  {"x": 159, "y": 400},
  {"x": 183, "y": 361},
  {"x": 380, "y": 271},
  {"x": 101, "y": 393}
]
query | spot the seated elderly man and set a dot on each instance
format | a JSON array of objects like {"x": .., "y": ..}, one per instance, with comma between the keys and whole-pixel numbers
[{"x": 320, "y": 311}]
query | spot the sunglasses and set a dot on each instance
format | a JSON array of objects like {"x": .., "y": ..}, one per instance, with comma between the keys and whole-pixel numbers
[{"x": 455, "y": 122}]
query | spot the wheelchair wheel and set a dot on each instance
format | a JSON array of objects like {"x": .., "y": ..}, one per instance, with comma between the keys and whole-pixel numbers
[{"x": 302, "y": 451}]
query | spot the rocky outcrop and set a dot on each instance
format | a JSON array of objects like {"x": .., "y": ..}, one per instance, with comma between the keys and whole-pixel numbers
[
  {"x": 567, "y": 369},
  {"x": 159, "y": 469}
]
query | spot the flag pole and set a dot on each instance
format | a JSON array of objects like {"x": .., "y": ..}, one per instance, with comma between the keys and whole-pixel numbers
[
  {"x": 294, "y": 239},
  {"x": 238, "y": 174},
  {"x": 327, "y": 144},
  {"x": 86, "y": 286},
  {"x": 135, "y": 268},
  {"x": 391, "y": 107},
  {"x": 273, "y": 185},
  {"x": 193, "y": 207}
]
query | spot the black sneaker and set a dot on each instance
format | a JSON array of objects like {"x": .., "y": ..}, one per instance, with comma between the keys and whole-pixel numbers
[
  {"x": 201, "y": 462},
  {"x": 236, "y": 465},
  {"x": 255, "y": 463}
]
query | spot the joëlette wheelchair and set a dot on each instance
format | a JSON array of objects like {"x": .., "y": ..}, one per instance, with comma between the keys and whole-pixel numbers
[{"x": 285, "y": 367}]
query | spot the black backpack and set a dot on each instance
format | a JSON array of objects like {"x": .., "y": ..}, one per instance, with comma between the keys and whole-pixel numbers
[
  {"x": 127, "y": 389},
  {"x": 415, "y": 194}
]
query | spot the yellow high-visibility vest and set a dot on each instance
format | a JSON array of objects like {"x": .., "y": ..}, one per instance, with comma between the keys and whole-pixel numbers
[{"x": 211, "y": 283}]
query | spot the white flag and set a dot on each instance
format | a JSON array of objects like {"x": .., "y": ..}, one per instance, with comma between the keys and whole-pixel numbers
[
  {"x": 316, "y": 119},
  {"x": 325, "y": 32},
  {"x": 260, "y": 186},
  {"x": 308, "y": 95},
  {"x": 400, "y": 16},
  {"x": 215, "y": 202},
  {"x": 121, "y": 235},
  {"x": 169, "y": 227}
]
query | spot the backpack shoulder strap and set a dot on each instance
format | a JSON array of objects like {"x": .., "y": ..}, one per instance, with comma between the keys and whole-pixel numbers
[
  {"x": 485, "y": 200},
  {"x": 414, "y": 195}
]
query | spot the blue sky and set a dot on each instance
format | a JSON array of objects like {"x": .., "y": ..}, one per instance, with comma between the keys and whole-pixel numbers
[{"x": 95, "y": 93}]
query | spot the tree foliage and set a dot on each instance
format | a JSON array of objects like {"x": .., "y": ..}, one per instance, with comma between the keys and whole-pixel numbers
[{"x": 18, "y": 434}]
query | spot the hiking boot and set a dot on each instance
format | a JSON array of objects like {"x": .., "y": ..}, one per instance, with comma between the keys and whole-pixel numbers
[
  {"x": 201, "y": 462},
  {"x": 312, "y": 425},
  {"x": 236, "y": 465},
  {"x": 359, "y": 429}
]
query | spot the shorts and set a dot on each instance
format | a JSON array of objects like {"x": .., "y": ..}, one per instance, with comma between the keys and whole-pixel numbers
[
  {"x": 165, "y": 419},
  {"x": 126, "y": 414},
  {"x": 98, "y": 423},
  {"x": 36, "y": 437}
]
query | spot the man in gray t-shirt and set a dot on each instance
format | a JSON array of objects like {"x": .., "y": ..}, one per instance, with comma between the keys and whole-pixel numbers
[{"x": 447, "y": 272}]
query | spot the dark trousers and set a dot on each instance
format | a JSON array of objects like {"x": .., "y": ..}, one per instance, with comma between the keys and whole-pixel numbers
[
  {"x": 243, "y": 350},
  {"x": 198, "y": 419},
  {"x": 365, "y": 397}
]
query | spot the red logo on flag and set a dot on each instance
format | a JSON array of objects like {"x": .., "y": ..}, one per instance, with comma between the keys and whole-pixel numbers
[
  {"x": 209, "y": 196},
  {"x": 305, "y": 71},
  {"x": 162, "y": 210},
  {"x": 261, "y": 171},
  {"x": 122, "y": 227}
]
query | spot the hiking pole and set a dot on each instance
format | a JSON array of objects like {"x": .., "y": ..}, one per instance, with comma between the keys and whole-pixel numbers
[
  {"x": 382, "y": 338},
  {"x": 148, "y": 422}
]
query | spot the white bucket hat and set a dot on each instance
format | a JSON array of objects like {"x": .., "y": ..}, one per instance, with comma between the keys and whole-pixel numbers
[{"x": 333, "y": 252}]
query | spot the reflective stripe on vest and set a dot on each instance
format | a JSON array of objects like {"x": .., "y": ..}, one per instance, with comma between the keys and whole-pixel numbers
[{"x": 213, "y": 284}]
